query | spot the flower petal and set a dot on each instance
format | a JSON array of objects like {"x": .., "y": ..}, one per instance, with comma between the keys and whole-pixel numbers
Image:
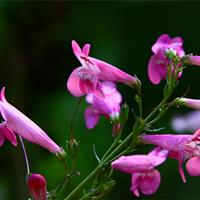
[
  {"x": 91, "y": 118},
  {"x": 2, "y": 94},
  {"x": 147, "y": 182},
  {"x": 76, "y": 49},
  {"x": 73, "y": 84},
  {"x": 150, "y": 182},
  {"x": 153, "y": 72},
  {"x": 111, "y": 73},
  {"x": 86, "y": 49},
  {"x": 193, "y": 166},
  {"x": 163, "y": 39}
]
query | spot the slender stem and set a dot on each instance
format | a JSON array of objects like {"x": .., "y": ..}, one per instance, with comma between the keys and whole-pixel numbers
[
  {"x": 73, "y": 117},
  {"x": 110, "y": 149},
  {"x": 67, "y": 178},
  {"x": 140, "y": 102},
  {"x": 25, "y": 155},
  {"x": 83, "y": 182},
  {"x": 158, "y": 106}
]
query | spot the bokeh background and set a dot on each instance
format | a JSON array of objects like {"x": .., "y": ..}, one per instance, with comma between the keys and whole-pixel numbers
[{"x": 36, "y": 59}]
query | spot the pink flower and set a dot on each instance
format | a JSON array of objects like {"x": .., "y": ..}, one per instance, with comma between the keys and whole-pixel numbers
[
  {"x": 84, "y": 79},
  {"x": 104, "y": 102},
  {"x": 180, "y": 147},
  {"x": 191, "y": 103},
  {"x": 194, "y": 60},
  {"x": 157, "y": 66},
  {"x": 17, "y": 122},
  {"x": 37, "y": 186},
  {"x": 144, "y": 177}
]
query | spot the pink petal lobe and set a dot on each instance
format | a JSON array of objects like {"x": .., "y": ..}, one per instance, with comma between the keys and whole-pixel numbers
[
  {"x": 86, "y": 49},
  {"x": 2, "y": 94},
  {"x": 153, "y": 72},
  {"x": 146, "y": 182},
  {"x": 151, "y": 182},
  {"x": 76, "y": 49},
  {"x": 193, "y": 166},
  {"x": 163, "y": 39},
  {"x": 73, "y": 83},
  {"x": 91, "y": 118}
]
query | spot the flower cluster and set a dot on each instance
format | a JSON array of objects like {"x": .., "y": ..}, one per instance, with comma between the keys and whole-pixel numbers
[{"x": 97, "y": 80}]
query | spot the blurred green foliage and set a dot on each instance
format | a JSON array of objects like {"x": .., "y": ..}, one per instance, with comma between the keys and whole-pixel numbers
[{"x": 36, "y": 60}]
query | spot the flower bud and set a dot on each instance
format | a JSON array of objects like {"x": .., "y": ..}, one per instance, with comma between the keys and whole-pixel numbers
[{"x": 37, "y": 186}]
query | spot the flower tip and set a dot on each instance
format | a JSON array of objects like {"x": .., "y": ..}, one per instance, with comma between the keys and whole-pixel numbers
[{"x": 2, "y": 94}]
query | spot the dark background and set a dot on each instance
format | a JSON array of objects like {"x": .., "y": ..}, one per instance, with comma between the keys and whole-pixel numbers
[{"x": 36, "y": 59}]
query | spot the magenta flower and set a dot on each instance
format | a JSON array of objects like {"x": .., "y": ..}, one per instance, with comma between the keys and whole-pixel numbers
[
  {"x": 84, "y": 79},
  {"x": 17, "y": 122},
  {"x": 180, "y": 147},
  {"x": 194, "y": 60},
  {"x": 157, "y": 66},
  {"x": 105, "y": 102},
  {"x": 144, "y": 177},
  {"x": 37, "y": 186},
  {"x": 191, "y": 103}
]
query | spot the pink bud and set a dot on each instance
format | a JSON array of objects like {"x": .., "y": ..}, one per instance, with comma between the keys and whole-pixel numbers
[{"x": 37, "y": 186}]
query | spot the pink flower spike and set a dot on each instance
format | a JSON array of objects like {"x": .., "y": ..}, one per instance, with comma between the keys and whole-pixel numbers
[
  {"x": 17, "y": 122},
  {"x": 144, "y": 177},
  {"x": 194, "y": 60},
  {"x": 37, "y": 186},
  {"x": 105, "y": 101},
  {"x": 85, "y": 78}
]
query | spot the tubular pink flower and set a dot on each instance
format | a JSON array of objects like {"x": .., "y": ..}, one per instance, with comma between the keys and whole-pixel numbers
[
  {"x": 191, "y": 103},
  {"x": 104, "y": 102},
  {"x": 84, "y": 79},
  {"x": 180, "y": 147},
  {"x": 17, "y": 122},
  {"x": 144, "y": 177},
  {"x": 194, "y": 60},
  {"x": 157, "y": 66},
  {"x": 37, "y": 186}
]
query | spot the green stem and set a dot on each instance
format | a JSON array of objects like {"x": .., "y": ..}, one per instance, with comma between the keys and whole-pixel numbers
[
  {"x": 83, "y": 182},
  {"x": 158, "y": 106}
]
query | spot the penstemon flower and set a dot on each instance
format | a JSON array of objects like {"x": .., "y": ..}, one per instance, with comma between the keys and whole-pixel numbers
[
  {"x": 17, "y": 122},
  {"x": 180, "y": 147},
  {"x": 194, "y": 60},
  {"x": 106, "y": 102},
  {"x": 84, "y": 80},
  {"x": 158, "y": 63},
  {"x": 37, "y": 186},
  {"x": 191, "y": 103},
  {"x": 144, "y": 177}
]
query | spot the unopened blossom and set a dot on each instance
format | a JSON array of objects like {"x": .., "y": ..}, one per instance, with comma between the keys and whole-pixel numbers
[
  {"x": 145, "y": 178},
  {"x": 157, "y": 66},
  {"x": 180, "y": 147},
  {"x": 37, "y": 186},
  {"x": 16, "y": 122},
  {"x": 106, "y": 102},
  {"x": 194, "y": 60},
  {"x": 191, "y": 103},
  {"x": 84, "y": 79}
]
